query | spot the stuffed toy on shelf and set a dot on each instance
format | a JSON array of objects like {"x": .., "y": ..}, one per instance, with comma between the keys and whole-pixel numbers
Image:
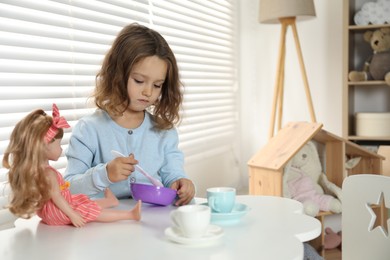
[
  {"x": 377, "y": 66},
  {"x": 304, "y": 180}
]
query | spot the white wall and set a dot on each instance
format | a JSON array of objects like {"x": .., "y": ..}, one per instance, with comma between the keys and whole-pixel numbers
[{"x": 321, "y": 42}]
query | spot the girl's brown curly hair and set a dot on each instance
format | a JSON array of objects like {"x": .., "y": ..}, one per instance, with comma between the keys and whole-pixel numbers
[{"x": 134, "y": 43}]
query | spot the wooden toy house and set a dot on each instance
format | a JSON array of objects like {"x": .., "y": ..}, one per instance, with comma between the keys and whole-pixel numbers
[{"x": 266, "y": 166}]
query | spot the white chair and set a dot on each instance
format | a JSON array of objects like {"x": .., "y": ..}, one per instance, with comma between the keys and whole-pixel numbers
[
  {"x": 364, "y": 236},
  {"x": 7, "y": 219}
]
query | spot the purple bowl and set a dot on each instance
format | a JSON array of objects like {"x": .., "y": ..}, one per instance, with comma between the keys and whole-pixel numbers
[{"x": 153, "y": 194}]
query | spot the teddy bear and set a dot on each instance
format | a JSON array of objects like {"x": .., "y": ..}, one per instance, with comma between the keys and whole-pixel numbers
[
  {"x": 303, "y": 180},
  {"x": 377, "y": 67}
]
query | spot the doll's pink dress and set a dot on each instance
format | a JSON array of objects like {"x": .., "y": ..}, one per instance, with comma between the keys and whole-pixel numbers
[{"x": 81, "y": 203}]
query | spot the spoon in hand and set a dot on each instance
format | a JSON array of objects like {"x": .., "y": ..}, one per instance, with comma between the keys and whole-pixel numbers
[{"x": 138, "y": 168}]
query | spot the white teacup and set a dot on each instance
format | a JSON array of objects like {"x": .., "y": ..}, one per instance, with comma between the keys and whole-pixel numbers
[
  {"x": 221, "y": 199},
  {"x": 193, "y": 220}
]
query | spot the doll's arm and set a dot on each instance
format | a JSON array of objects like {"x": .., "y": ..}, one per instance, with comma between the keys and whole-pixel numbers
[{"x": 55, "y": 194}]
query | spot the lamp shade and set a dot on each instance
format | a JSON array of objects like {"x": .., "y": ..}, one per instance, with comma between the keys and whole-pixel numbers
[{"x": 271, "y": 10}]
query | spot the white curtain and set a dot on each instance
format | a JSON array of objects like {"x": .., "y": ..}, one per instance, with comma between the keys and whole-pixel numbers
[{"x": 50, "y": 52}]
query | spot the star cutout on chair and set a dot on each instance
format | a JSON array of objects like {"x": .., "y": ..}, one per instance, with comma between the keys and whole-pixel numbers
[{"x": 379, "y": 207}]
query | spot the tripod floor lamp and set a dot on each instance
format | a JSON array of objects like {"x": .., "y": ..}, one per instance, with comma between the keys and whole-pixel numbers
[{"x": 286, "y": 13}]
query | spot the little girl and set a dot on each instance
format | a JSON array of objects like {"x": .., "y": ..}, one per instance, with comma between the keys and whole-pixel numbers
[
  {"x": 39, "y": 188},
  {"x": 138, "y": 95}
]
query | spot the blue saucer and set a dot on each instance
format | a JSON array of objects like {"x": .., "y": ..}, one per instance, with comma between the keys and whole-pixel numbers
[{"x": 233, "y": 217}]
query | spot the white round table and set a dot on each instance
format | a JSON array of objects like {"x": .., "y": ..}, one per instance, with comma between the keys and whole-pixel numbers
[{"x": 274, "y": 228}]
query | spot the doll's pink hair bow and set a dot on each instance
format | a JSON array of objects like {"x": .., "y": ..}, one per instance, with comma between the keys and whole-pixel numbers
[{"x": 58, "y": 122}]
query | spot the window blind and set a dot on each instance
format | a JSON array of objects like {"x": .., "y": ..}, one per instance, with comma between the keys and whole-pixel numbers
[{"x": 50, "y": 52}]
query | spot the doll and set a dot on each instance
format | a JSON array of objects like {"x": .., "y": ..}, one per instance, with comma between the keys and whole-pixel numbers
[{"x": 38, "y": 188}]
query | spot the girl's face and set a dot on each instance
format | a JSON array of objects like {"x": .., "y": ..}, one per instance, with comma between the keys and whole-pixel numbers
[
  {"x": 54, "y": 150},
  {"x": 145, "y": 82}
]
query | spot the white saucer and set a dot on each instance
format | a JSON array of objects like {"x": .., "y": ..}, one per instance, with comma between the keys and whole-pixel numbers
[
  {"x": 213, "y": 234},
  {"x": 233, "y": 217}
]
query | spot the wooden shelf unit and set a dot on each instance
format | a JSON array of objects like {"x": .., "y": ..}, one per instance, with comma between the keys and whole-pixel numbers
[
  {"x": 266, "y": 167},
  {"x": 368, "y": 96}
]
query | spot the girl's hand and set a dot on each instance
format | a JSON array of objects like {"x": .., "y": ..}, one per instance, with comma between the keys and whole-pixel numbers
[
  {"x": 121, "y": 168},
  {"x": 77, "y": 220},
  {"x": 185, "y": 190}
]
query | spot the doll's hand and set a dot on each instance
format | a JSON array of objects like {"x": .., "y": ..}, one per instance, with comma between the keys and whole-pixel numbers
[
  {"x": 185, "y": 190},
  {"x": 121, "y": 168},
  {"x": 77, "y": 220}
]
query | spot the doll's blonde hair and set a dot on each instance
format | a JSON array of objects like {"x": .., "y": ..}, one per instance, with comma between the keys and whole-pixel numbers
[{"x": 26, "y": 158}]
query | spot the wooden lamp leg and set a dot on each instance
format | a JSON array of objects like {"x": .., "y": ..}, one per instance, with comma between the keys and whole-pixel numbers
[
  {"x": 281, "y": 89},
  {"x": 278, "y": 89},
  {"x": 277, "y": 103},
  {"x": 303, "y": 71}
]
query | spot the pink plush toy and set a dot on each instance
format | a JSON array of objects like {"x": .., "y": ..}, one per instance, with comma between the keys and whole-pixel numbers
[
  {"x": 332, "y": 239},
  {"x": 303, "y": 189},
  {"x": 303, "y": 180}
]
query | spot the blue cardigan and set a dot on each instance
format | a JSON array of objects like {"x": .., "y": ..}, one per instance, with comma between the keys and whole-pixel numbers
[{"x": 89, "y": 151}]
